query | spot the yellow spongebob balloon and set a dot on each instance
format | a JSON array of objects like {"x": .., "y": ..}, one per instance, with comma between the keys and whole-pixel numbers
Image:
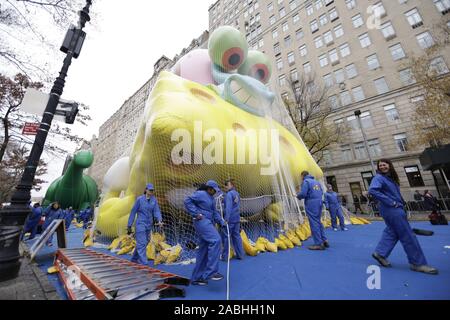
[{"x": 192, "y": 132}]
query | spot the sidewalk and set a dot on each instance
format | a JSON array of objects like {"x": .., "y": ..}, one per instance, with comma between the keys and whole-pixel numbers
[{"x": 31, "y": 284}]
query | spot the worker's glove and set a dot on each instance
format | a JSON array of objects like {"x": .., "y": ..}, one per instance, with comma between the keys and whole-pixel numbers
[
  {"x": 199, "y": 217},
  {"x": 129, "y": 231}
]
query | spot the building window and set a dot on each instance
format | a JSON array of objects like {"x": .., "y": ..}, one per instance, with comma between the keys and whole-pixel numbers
[
  {"x": 388, "y": 30},
  {"x": 357, "y": 21},
  {"x": 318, "y": 4},
  {"x": 364, "y": 40},
  {"x": 332, "y": 180},
  {"x": 338, "y": 31},
  {"x": 406, "y": 76},
  {"x": 339, "y": 123},
  {"x": 334, "y": 57},
  {"x": 270, "y": 7},
  {"x": 425, "y": 40},
  {"x": 401, "y": 141},
  {"x": 296, "y": 18},
  {"x": 351, "y": 71},
  {"x": 439, "y": 66},
  {"x": 345, "y": 50},
  {"x": 272, "y": 20},
  {"x": 323, "y": 19},
  {"x": 291, "y": 58},
  {"x": 328, "y": 80},
  {"x": 397, "y": 52},
  {"x": 366, "y": 120},
  {"x": 358, "y": 94},
  {"x": 346, "y": 98},
  {"x": 333, "y": 14},
  {"x": 381, "y": 85},
  {"x": 303, "y": 50},
  {"x": 339, "y": 76},
  {"x": 346, "y": 153},
  {"x": 275, "y": 34},
  {"x": 277, "y": 49},
  {"x": 367, "y": 178},
  {"x": 334, "y": 103},
  {"x": 328, "y": 37},
  {"x": 314, "y": 26},
  {"x": 323, "y": 60},
  {"x": 391, "y": 113},
  {"x": 285, "y": 27},
  {"x": 294, "y": 75},
  {"x": 327, "y": 160},
  {"x": 309, "y": 10},
  {"x": 442, "y": 5},
  {"x": 299, "y": 34},
  {"x": 318, "y": 42},
  {"x": 414, "y": 18},
  {"x": 374, "y": 147},
  {"x": 282, "y": 80},
  {"x": 279, "y": 63},
  {"x": 282, "y": 12},
  {"x": 372, "y": 62},
  {"x": 307, "y": 67},
  {"x": 287, "y": 41},
  {"x": 378, "y": 10},
  {"x": 414, "y": 176},
  {"x": 293, "y": 4},
  {"x": 360, "y": 151},
  {"x": 350, "y": 4}
]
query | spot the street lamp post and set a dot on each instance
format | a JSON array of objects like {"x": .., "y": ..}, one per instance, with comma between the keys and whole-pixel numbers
[
  {"x": 13, "y": 217},
  {"x": 358, "y": 116}
]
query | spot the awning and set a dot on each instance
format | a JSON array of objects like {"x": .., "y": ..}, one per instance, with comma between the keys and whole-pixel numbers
[{"x": 435, "y": 158}]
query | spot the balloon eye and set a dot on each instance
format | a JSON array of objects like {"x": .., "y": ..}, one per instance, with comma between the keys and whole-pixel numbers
[
  {"x": 232, "y": 58},
  {"x": 260, "y": 72}
]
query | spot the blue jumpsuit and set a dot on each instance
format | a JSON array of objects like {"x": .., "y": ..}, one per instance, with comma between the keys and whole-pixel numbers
[
  {"x": 32, "y": 223},
  {"x": 207, "y": 262},
  {"x": 312, "y": 193},
  {"x": 68, "y": 217},
  {"x": 50, "y": 215},
  {"x": 387, "y": 192},
  {"x": 146, "y": 210},
  {"x": 87, "y": 215},
  {"x": 333, "y": 204},
  {"x": 233, "y": 218}
]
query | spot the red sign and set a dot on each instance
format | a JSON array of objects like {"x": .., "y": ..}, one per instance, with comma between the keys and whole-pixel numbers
[{"x": 30, "y": 129}]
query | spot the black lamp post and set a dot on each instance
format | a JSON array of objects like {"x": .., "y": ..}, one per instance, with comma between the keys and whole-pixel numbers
[
  {"x": 358, "y": 116},
  {"x": 13, "y": 217}
]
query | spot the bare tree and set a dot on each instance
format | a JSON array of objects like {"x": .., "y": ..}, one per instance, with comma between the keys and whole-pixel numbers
[
  {"x": 29, "y": 24},
  {"x": 12, "y": 92},
  {"x": 431, "y": 119},
  {"x": 308, "y": 106},
  {"x": 12, "y": 168}
]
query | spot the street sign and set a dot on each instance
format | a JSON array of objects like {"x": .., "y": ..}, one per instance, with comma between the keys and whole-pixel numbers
[{"x": 30, "y": 129}]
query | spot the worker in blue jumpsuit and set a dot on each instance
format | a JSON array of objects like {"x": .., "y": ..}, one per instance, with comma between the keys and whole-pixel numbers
[
  {"x": 33, "y": 221},
  {"x": 68, "y": 217},
  {"x": 333, "y": 205},
  {"x": 385, "y": 188},
  {"x": 144, "y": 211},
  {"x": 201, "y": 206},
  {"x": 312, "y": 193},
  {"x": 233, "y": 218},
  {"x": 87, "y": 217},
  {"x": 53, "y": 212}
]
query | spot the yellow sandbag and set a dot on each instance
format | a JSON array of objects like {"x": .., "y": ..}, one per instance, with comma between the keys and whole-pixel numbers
[
  {"x": 300, "y": 233},
  {"x": 163, "y": 246},
  {"x": 159, "y": 259},
  {"x": 355, "y": 221},
  {"x": 293, "y": 238},
  {"x": 88, "y": 243},
  {"x": 174, "y": 254},
  {"x": 260, "y": 245},
  {"x": 365, "y": 221},
  {"x": 151, "y": 251},
  {"x": 286, "y": 241},
  {"x": 306, "y": 229},
  {"x": 280, "y": 244},
  {"x": 52, "y": 270},
  {"x": 157, "y": 237},
  {"x": 270, "y": 246},
  {"x": 125, "y": 250},
  {"x": 248, "y": 248},
  {"x": 116, "y": 242}
]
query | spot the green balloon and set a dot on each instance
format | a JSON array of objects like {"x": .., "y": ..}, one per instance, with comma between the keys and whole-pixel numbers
[
  {"x": 227, "y": 48},
  {"x": 257, "y": 65}
]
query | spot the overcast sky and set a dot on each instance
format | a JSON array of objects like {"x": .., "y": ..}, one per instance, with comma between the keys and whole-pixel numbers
[{"x": 119, "y": 53}]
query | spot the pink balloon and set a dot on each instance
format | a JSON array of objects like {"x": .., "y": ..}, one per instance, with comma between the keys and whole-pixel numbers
[{"x": 195, "y": 66}]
